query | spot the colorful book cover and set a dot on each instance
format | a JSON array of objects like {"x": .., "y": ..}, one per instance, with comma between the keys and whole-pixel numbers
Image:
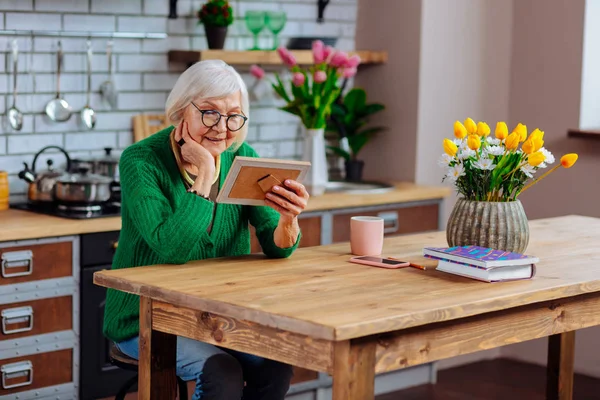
[{"x": 479, "y": 256}]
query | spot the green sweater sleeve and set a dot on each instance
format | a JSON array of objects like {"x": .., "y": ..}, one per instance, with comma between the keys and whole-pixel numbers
[
  {"x": 265, "y": 220},
  {"x": 171, "y": 230}
]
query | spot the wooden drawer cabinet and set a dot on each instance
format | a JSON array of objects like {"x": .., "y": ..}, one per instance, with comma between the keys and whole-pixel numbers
[
  {"x": 398, "y": 220},
  {"x": 36, "y": 262},
  {"x": 311, "y": 234},
  {"x": 36, "y": 371},
  {"x": 36, "y": 317}
]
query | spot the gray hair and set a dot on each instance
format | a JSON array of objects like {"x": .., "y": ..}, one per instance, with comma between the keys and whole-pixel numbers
[{"x": 208, "y": 79}]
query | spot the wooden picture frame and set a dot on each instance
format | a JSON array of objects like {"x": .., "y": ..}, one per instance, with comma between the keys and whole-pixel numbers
[{"x": 250, "y": 177}]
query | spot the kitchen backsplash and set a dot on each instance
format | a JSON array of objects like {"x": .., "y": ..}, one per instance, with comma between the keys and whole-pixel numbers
[{"x": 143, "y": 73}]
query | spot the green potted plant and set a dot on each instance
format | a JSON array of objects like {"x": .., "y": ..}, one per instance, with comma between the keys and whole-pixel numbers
[
  {"x": 349, "y": 118},
  {"x": 216, "y": 16}
]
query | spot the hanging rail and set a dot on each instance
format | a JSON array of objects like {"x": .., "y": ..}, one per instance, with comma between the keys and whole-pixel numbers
[{"x": 115, "y": 35}]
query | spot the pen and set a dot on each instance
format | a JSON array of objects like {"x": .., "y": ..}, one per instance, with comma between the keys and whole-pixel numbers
[{"x": 411, "y": 264}]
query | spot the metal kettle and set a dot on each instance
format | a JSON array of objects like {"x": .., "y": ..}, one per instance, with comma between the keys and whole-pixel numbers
[{"x": 42, "y": 184}]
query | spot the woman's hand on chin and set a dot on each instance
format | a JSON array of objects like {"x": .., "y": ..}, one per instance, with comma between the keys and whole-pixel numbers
[{"x": 193, "y": 152}]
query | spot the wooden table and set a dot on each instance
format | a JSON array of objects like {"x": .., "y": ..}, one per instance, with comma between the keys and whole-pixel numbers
[{"x": 315, "y": 310}]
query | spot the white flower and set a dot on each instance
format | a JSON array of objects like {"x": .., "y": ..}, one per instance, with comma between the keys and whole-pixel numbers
[
  {"x": 445, "y": 160},
  {"x": 466, "y": 153},
  {"x": 548, "y": 157},
  {"x": 464, "y": 145},
  {"x": 455, "y": 172},
  {"x": 458, "y": 142},
  {"x": 484, "y": 163},
  {"x": 495, "y": 150},
  {"x": 528, "y": 170},
  {"x": 493, "y": 141}
]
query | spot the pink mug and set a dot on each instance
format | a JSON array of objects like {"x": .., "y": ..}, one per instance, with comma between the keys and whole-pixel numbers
[{"x": 366, "y": 235}]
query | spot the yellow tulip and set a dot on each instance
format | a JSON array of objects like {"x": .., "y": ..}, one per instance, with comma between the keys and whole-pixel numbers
[
  {"x": 528, "y": 147},
  {"x": 535, "y": 159},
  {"x": 459, "y": 130},
  {"x": 450, "y": 148},
  {"x": 512, "y": 141},
  {"x": 501, "y": 130},
  {"x": 470, "y": 125},
  {"x": 522, "y": 131},
  {"x": 537, "y": 134},
  {"x": 568, "y": 160},
  {"x": 474, "y": 142},
  {"x": 483, "y": 129}
]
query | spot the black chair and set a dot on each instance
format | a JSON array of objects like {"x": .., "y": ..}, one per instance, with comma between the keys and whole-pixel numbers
[{"x": 121, "y": 360}]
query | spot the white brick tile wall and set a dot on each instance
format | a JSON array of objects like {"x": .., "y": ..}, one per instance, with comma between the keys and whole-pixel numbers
[
  {"x": 141, "y": 24},
  {"x": 160, "y": 81},
  {"x": 123, "y": 6},
  {"x": 62, "y": 5},
  {"x": 15, "y": 5},
  {"x": 22, "y": 144},
  {"x": 163, "y": 46},
  {"x": 278, "y": 132},
  {"x": 113, "y": 121},
  {"x": 142, "y": 101},
  {"x": 89, "y": 23},
  {"x": 159, "y": 7},
  {"x": 143, "y": 74},
  {"x": 90, "y": 141},
  {"x": 125, "y": 138},
  {"x": 135, "y": 63},
  {"x": 29, "y": 21}
]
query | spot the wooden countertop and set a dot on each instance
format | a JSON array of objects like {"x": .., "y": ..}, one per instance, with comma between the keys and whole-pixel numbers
[{"x": 20, "y": 225}]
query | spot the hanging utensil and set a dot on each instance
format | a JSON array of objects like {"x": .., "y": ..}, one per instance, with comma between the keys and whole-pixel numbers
[
  {"x": 88, "y": 116},
  {"x": 15, "y": 116},
  {"x": 58, "y": 109},
  {"x": 108, "y": 89}
]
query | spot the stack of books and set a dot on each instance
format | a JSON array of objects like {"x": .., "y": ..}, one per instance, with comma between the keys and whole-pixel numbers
[{"x": 481, "y": 263}]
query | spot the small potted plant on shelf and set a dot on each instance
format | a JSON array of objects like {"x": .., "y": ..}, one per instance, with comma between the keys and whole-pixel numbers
[
  {"x": 490, "y": 172},
  {"x": 216, "y": 16},
  {"x": 348, "y": 119}
]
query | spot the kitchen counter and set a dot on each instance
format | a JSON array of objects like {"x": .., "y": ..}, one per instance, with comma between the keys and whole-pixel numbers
[{"x": 20, "y": 225}]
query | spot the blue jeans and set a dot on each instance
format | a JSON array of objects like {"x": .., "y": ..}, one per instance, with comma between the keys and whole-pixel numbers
[{"x": 220, "y": 373}]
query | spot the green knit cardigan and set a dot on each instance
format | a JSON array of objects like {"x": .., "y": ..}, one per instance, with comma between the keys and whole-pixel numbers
[{"x": 164, "y": 224}]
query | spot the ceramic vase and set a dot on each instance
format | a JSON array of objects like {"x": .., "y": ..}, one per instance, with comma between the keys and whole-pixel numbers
[
  {"x": 499, "y": 225},
  {"x": 215, "y": 36},
  {"x": 314, "y": 151}
]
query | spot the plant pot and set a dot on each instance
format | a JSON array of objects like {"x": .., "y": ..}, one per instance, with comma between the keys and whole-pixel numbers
[
  {"x": 314, "y": 151},
  {"x": 215, "y": 36},
  {"x": 498, "y": 225},
  {"x": 354, "y": 170}
]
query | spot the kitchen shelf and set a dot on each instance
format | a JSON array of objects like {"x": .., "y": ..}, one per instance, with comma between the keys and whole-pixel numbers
[
  {"x": 588, "y": 134},
  {"x": 264, "y": 57}
]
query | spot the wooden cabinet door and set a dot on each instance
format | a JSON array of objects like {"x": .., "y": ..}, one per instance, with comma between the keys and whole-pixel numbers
[
  {"x": 399, "y": 220},
  {"x": 311, "y": 234}
]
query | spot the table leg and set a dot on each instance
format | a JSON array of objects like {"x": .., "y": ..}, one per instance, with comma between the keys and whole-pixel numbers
[
  {"x": 354, "y": 370},
  {"x": 561, "y": 361},
  {"x": 158, "y": 350}
]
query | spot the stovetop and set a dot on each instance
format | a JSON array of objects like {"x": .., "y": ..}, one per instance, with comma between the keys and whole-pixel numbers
[{"x": 105, "y": 210}]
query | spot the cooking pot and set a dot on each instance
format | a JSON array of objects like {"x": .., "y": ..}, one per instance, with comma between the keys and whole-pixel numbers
[
  {"x": 82, "y": 187},
  {"x": 41, "y": 184},
  {"x": 107, "y": 165}
]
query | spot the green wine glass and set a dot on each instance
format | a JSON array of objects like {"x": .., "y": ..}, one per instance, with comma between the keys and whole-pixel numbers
[
  {"x": 255, "y": 22},
  {"x": 275, "y": 21}
]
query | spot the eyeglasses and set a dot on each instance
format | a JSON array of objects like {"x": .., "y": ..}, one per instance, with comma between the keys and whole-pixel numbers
[{"x": 211, "y": 118}]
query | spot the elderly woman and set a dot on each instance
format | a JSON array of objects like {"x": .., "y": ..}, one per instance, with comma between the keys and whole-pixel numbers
[{"x": 169, "y": 182}]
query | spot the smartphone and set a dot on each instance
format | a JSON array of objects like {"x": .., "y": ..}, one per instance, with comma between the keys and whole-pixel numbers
[{"x": 379, "y": 262}]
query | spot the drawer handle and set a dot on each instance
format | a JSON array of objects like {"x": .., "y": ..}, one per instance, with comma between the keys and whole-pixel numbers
[
  {"x": 17, "y": 316},
  {"x": 17, "y": 370},
  {"x": 390, "y": 221},
  {"x": 17, "y": 259}
]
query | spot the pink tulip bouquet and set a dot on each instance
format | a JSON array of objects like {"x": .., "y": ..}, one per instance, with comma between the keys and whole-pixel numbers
[{"x": 313, "y": 89}]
